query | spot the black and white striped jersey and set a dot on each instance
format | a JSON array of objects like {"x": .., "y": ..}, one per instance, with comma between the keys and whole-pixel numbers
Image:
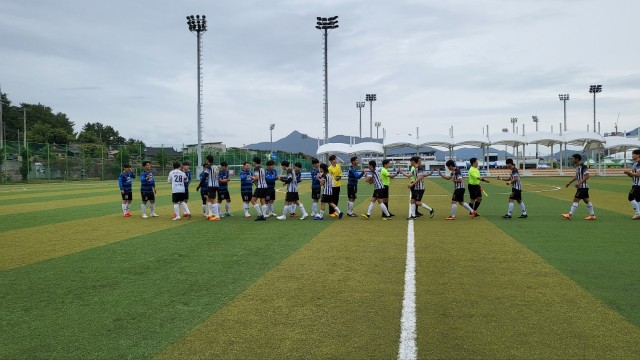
[
  {"x": 212, "y": 176},
  {"x": 635, "y": 168},
  {"x": 456, "y": 174},
  {"x": 419, "y": 175},
  {"x": 258, "y": 172},
  {"x": 328, "y": 184},
  {"x": 375, "y": 176},
  {"x": 581, "y": 171},
  {"x": 515, "y": 175},
  {"x": 292, "y": 185}
]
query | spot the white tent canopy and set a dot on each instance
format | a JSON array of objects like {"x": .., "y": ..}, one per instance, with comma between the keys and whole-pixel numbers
[
  {"x": 509, "y": 139},
  {"x": 618, "y": 143},
  {"x": 586, "y": 139},
  {"x": 544, "y": 138},
  {"x": 471, "y": 140},
  {"x": 366, "y": 147}
]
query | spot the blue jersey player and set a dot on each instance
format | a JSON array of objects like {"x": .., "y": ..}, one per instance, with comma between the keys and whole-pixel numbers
[
  {"x": 315, "y": 186},
  {"x": 270, "y": 175},
  {"x": 124, "y": 182},
  {"x": 147, "y": 190},
  {"x": 223, "y": 187},
  {"x": 246, "y": 187},
  {"x": 203, "y": 187}
]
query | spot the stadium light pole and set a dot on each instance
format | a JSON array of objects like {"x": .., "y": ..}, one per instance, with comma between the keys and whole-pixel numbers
[
  {"x": 564, "y": 98},
  {"x": 360, "y": 105},
  {"x": 371, "y": 98},
  {"x": 536, "y": 120},
  {"x": 198, "y": 25},
  {"x": 594, "y": 89},
  {"x": 377, "y": 124},
  {"x": 1, "y": 121},
  {"x": 513, "y": 124},
  {"x": 271, "y": 127},
  {"x": 326, "y": 24},
  {"x": 24, "y": 126}
]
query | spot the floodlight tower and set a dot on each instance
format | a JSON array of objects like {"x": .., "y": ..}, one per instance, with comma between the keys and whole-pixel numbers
[
  {"x": 594, "y": 89},
  {"x": 513, "y": 124},
  {"x": 564, "y": 98},
  {"x": 371, "y": 98},
  {"x": 198, "y": 25},
  {"x": 377, "y": 124},
  {"x": 536, "y": 120},
  {"x": 360, "y": 105},
  {"x": 326, "y": 24},
  {"x": 271, "y": 127}
]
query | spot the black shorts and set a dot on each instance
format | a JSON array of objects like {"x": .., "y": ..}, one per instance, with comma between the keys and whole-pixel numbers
[
  {"x": 634, "y": 194},
  {"x": 417, "y": 194},
  {"x": 270, "y": 195},
  {"x": 127, "y": 195},
  {"x": 204, "y": 195},
  {"x": 246, "y": 195},
  {"x": 352, "y": 190},
  {"x": 458, "y": 195},
  {"x": 315, "y": 193},
  {"x": 385, "y": 192},
  {"x": 582, "y": 193},
  {"x": 148, "y": 196},
  {"x": 260, "y": 193},
  {"x": 378, "y": 193},
  {"x": 292, "y": 197},
  {"x": 186, "y": 193},
  {"x": 177, "y": 197},
  {"x": 327, "y": 198},
  {"x": 223, "y": 195},
  {"x": 212, "y": 192},
  {"x": 475, "y": 191},
  {"x": 516, "y": 195}
]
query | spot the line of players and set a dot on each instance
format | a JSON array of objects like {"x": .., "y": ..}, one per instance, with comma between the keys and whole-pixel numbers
[{"x": 325, "y": 187}]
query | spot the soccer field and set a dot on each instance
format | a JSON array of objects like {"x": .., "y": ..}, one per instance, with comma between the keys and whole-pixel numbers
[{"x": 79, "y": 281}]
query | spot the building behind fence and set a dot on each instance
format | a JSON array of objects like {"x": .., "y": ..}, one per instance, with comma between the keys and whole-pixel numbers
[{"x": 53, "y": 162}]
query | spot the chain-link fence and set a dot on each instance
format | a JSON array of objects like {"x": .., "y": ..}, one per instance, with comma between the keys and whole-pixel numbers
[{"x": 53, "y": 162}]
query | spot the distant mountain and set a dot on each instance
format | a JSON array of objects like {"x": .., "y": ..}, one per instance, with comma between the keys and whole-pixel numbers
[{"x": 297, "y": 142}]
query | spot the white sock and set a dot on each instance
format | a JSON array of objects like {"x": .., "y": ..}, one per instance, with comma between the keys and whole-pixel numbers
[
  {"x": 314, "y": 208},
  {"x": 337, "y": 209},
  {"x": 143, "y": 207},
  {"x": 153, "y": 207},
  {"x": 124, "y": 208},
  {"x": 574, "y": 207},
  {"x": 304, "y": 212},
  {"x": 349, "y": 207},
  {"x": 321, "y": 213},
  {"x": 524, "y": 211},
  {"x": 185, "y": 209},
  {"x": 264, "y": 209},
  {"x": 466, "y": 206},
  {"x": 510, "y": 210},
  {"x": 216, "y": 209},
  {"x": 204, "y": 209},
  {"x": 245, "y": 207},
  {"x": 634, "y": 205},
  {"x": 210, "y": 208},
  {"x": 454, "y": 207},
  {"x": 384, "y": 209},
  {"x": 371, "y": 205},
  {"x": 293, "y": 208},
  {"x": 227, "y": 207},
  {"x": 590, "y": 208},
  {"x": 285, "y": 209},
  {"x": 257, "y": 207},
  {"x": 426, "y": 206},
  {"x": 176, "y": 209},
  {"x": 413, "y": 210}
]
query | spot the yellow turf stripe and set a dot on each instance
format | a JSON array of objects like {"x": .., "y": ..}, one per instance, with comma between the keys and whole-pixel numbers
[
  {"x": 602, "y": 199},
  {"x": 27, "y": 246},
  {"x": 339, "y": 296},
  {"x": 59, "y": 204},
  {"x": 29, "y": 194},
  {"x": 481, "y": 294}
]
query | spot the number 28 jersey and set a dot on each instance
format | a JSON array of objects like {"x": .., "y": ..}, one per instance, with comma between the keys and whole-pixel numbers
[{"x": 177, "y": 179}]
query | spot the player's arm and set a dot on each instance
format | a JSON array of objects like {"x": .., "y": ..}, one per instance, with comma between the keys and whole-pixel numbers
[
  {"x": 120, "y": 184},
  {"x": 632, "y": 174},
  {"x": 405, "y": 174},
  {"x": 132, "y": 175},
  {"x": 570, "y": 181},
  {"x": 446, "y": 177}
]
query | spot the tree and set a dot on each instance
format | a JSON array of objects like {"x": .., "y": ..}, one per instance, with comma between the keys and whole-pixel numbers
[
  {"x": 24, "y": 167},
  {"x": 98, "y": 133}
]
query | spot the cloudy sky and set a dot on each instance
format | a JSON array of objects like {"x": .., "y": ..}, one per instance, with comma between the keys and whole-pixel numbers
[{"x": 432, "y": 64}]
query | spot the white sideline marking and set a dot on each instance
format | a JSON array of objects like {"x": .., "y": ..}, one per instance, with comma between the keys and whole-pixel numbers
[{"x": 408, "y": 349}]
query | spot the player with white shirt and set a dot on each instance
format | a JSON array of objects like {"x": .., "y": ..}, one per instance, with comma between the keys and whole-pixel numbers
[{"x": 177, "y": 179}]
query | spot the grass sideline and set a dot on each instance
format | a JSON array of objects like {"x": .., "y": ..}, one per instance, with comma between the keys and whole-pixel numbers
[{"x": 80, "y": 281}]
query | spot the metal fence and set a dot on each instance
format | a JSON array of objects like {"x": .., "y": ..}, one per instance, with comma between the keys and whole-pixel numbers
[{"x": 53, "y": 162}]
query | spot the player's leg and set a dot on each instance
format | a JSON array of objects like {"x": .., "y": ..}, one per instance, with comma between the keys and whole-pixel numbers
[
  {"x": 592, "y": 214},
  {"x": 383, "y": 206}
]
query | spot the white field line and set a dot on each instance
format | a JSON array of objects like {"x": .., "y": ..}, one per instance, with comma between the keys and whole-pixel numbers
[{"x": 408, "y": 349}]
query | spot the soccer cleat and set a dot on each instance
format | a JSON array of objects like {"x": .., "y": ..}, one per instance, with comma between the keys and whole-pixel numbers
[
  {"x": 523, "y": 216},
  {"x": 176, "y": 218},
  {"x": 187, "y": 215},
  {"x": 636, "y": 217},
  {"x": 365, "y": 216},
  {"x": 304, "y": 217},
  {"x": 411, "y": 218},
  {"x": 567, "y": 216},
  {"x": 431, "y": 213},
  {"x": 318, "y": 218},
  {"x": 476, "y": 215},
  {"x": 590, "y": 217},
  {"x": 473, "y": 214},
  {"x": 419, "y": 214},
  {"x": 214, "y": 218},
  {"x": 333, "y": 214},
  {"x": 127, "y": 214},
  {"x": 281, "y": 217},
  {"x": 221, "y": 216},
  {"x": 260, "y": 218},
  {"x": 386, "y": 218},
  {"x": 294, "y": 215},
  {"x": 154, "y": 215},
  {"x": 391, "y": 215},
  {"x": 450, "y": 218},
  {"x": 265, "y": 216},
  {"x": 227, "y": 214},
  {"x": 340, "y": 215},
  {"x": 506, "y": 216},
  {"x": 144, "y": 216},
  {"x": 247, "y": 215},
  {"x": 352, "y": 215}
]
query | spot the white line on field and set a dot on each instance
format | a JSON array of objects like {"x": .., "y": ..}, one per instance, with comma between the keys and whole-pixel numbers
[{"x": 408, "y": 349}]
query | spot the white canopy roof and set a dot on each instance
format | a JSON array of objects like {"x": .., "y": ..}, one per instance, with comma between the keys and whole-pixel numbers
[
  {"x": 509, "y": 139},
  {"x": 400, "y": 141},
  {"x": 589, "y": 140},
  {"x": 333, "y": 148},
  {"x": 619, "y": 143},
  {"x": 471, "y": 140},
  {"x": 544, "y": 138},
  {"x": 366, "y": 147}
]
